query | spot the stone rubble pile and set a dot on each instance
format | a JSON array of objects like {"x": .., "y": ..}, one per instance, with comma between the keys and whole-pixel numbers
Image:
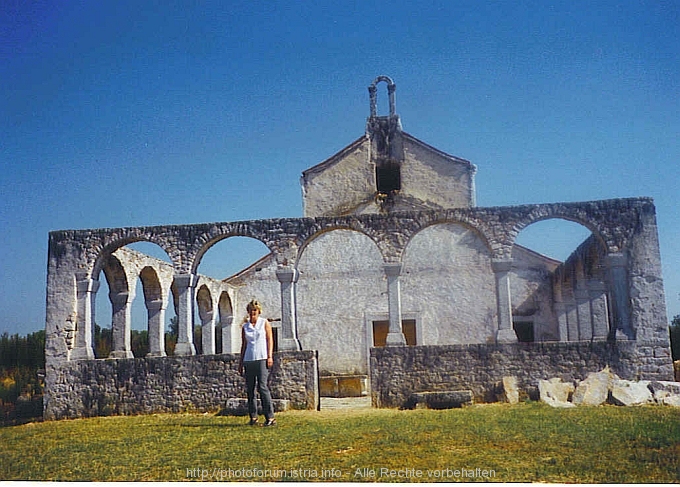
[{"x": 606, "y": 387}]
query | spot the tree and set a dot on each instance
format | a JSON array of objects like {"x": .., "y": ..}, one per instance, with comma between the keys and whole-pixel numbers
[
  {"x": 171, "y": 336},
  {"x": 102, "y": 341},
  {"x": 21, "y": 359},
  {"x": 675, "y": 337}
]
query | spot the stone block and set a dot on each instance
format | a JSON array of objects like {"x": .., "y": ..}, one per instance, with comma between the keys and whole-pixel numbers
[
  {"x": 555, "y": 393},
  {"x": 663, "y": 390},
  {"x": 440, "y": 399},
  {"x": 352, "y": 386},
  {"x": 628, "y": 393},
  {"x": 673, "y": 400},
  {"x": 594, "y": 390},
  {"x": 343, "y": 386},
  {"x": 328, "y": 387},
  {"x": 510, "y": 389}
]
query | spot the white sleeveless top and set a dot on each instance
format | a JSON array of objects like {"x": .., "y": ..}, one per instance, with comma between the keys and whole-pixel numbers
[{"x": 256, "y": 340}]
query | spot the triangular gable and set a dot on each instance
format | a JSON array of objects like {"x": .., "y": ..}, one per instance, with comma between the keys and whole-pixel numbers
[{"x": 335, "y": 157}]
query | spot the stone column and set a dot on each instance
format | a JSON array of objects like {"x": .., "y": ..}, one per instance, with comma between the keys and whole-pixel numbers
[
  {"x": 156, "y": 327},
  {"x": 572, "y": 314},
  {"x": 585, "y": 323},
  {"x": 395, "y": 335},
  {"x": 597, "y": 292},
  {"x": 501, "y": 269},
  {"x": 184, "y": 284},
  {"x": 120, "y": 325},
  {"x": 617, "y": 283},
  {"x": 208, "y": 334},
  {"x": 287, "y": 278},
  {"x": 560, "y": 310},
  {"x": 86, "y": 290},
  {"x": 226, "y": 329}
]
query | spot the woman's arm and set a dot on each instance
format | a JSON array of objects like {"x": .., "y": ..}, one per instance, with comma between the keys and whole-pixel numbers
[
  {"x": 270, "y": 344},
  {"x": 243, "y": 351}
]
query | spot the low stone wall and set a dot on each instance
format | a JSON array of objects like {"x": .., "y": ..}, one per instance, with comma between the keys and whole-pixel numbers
[
  {"x": 398, "y": 372},
  {"x": 171, "y": 384}
]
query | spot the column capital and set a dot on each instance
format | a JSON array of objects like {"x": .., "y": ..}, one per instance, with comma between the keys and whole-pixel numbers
[
  {"x": 287, "y": 274},
  {"x": 616, "y": 259},
  {"x": 392, "y": 268},
  {"x": 185, "y": 280},
  {"x": 87, "y": 285},
  {"x": 596, "y": 285},
  {"x": 504, "y": 265},
  {"x": 155, "y": 305},
  {"x": 119, "y": 298}
]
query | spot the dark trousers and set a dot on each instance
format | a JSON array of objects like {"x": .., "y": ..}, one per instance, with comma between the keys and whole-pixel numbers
[{"x": 257, "y": 372}]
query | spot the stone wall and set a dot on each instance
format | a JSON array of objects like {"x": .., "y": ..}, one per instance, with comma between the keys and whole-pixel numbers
[
  {"x": 397, "y": 372},
  {"x": 626, "y": 229},
  {"x": 171, "y": 384}
]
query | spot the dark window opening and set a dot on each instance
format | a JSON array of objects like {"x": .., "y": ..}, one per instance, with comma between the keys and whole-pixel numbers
[
  {"x": 524, "y": 331},
  {"x": 380, "y": 329},
  {"x": 388, "y": 178}
]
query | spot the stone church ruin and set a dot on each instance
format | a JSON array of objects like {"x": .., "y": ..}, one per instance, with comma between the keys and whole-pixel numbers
[{"x": 393, "y": 283}]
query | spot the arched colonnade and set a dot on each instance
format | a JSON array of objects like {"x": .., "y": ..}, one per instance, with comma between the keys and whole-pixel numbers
[{"x": 613, "y": 222}]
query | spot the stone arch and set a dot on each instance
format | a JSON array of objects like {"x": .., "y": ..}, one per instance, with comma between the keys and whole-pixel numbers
[
  {"x": 121, "y": 293},
  {"x": 151, "y": 284},
  {"x": 573, "y": 302},
  {"x": 447, "y": 277},
  {"x": 154, "y": 275},
  {"x": 204, "y": 302},
  {"x": 317, "y": 232},
  {"x": 341, "y": 277},
  {"x": 548, "y": 212},
  {"x": 218, "y": 232},
  {"x": 402, "y": 228},
  {"x": 241, "y": 252},
  {"x": 101, "y": 249},
  {"x": 226, "y": 311},
  {"x": 155, "y": 302},
  {"x": 468, "y": 223},
  {"x": 373, "y": 95}
]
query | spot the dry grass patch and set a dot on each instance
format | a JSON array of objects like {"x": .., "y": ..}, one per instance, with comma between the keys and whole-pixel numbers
[{"x": 522, "y": 443}]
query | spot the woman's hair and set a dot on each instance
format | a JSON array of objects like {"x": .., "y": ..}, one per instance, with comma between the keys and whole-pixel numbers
[{"x": 254, "y": 304}]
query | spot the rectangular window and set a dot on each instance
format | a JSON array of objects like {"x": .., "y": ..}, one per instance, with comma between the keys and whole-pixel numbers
[
  {"x": 388, "y": 178},
  {"x": 380, "y": 329}
]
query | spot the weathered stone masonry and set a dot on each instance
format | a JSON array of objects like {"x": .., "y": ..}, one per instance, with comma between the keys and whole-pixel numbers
[
  {"x": 75, "y": 256},
  {"x": 398, "y": 372},
  {"x": 199, "y": 383},
  {"x": 390, "y": 233}
]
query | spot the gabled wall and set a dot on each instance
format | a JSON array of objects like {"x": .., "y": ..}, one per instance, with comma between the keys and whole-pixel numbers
[{"x": 345, "y": 184}]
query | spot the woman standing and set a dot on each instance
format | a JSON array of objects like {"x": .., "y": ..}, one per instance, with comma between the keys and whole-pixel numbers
[{"x": 257, "y": 352}]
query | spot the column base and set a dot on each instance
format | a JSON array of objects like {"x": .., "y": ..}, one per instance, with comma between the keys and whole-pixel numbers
[
  {"x": 507, "y": 335},
  {"x": 622, "y": 336},
  {"x": 82, "y": 353},
  {"x": 289, "y": 344},
  {"x": 185, "y": 349},
  {"x": 156, "y": 354},
  {"x": 121, "y": 354},
  {"x": 395, "y": 339}
]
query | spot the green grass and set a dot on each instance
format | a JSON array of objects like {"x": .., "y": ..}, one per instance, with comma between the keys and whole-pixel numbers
[{"x": 523, "y": 443}]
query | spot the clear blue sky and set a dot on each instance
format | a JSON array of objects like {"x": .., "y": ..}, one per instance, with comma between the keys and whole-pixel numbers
[{"x": 133, "y": 113}]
